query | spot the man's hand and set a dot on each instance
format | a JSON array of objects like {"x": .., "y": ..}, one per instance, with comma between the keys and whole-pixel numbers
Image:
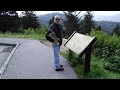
[
  {"x": 56, "y": 42},
  {"x": 57, "y": 39}
]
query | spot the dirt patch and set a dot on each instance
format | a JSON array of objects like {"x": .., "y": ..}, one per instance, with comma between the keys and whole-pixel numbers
[{"x": 48, "y": 44}]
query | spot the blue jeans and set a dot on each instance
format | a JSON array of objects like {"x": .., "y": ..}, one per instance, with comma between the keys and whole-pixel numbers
[{"x": 56, "y": 50}]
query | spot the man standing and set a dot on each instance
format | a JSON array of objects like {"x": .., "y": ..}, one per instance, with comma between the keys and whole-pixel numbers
[{"x": 54, "y": 35}]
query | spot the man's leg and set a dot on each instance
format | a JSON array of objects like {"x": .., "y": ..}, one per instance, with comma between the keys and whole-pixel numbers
[{"x": 56, "y": 50}]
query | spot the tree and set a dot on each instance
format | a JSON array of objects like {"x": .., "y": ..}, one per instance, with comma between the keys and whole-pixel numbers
[
  {"x": 30, "y": 20},
  {"x": 3, "y": 21},
  {"x": 51, "y": 20},
  {"x": 15, "y": 21},
  {"x": 87, "y": 23},
  {"x": 71, "y": 22},
  {"x": 99, "y": 28},
  {"x": 116, "y": 30},
  {"x": 9, "y": 21}
]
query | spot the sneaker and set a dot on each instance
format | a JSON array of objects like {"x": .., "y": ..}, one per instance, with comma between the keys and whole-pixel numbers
[
  {"x": 59, "y": 69},
  {"x": 61, "y": 65}
]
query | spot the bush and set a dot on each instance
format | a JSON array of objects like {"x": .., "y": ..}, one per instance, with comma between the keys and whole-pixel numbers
[
  {"x": 29, "y": 31},
  {"x": 108, "y": 48},
  {"x": 41, "y": 30},
  {"x": 73, "y": 58},
  {"x": 38, "y": 31}
]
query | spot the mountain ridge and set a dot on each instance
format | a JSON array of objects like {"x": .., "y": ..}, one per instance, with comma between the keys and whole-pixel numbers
[{"x": 107, "y": 23}]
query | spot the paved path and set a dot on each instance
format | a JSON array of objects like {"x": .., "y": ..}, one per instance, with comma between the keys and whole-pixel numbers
[{"x": 34, "y": 60}]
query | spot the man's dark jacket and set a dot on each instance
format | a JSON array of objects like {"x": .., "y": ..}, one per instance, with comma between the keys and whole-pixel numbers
[{"x": 57, "y": 29}]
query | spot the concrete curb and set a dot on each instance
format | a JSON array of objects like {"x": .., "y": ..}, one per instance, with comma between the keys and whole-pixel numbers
[{"x": 2, "y": 69}]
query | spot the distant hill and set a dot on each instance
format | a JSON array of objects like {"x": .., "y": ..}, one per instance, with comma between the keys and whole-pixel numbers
[
  {"x": 44, "y": 19},
  {"x": 107, "y": 23},
  {"x": 113, "y": 18},
  {"x": 107, "y": 26}
]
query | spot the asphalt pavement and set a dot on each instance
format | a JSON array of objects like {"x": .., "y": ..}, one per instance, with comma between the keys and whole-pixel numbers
[{"x": 34, "y": 60}]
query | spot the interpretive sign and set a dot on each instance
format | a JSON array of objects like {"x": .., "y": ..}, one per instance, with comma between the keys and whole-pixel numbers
[{"x": 81, "y": 44}]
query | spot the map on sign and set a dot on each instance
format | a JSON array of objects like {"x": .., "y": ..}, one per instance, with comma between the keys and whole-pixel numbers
[{"x": 78, "y": 42}]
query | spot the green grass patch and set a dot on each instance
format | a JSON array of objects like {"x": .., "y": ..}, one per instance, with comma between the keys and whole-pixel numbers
[
  {"x": 37, "y": 34},
  {"x": 97, "y": 70}
]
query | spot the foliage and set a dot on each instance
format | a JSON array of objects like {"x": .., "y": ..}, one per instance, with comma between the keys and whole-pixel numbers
[
  {"x": 97, "y": 69},
  {"x": 30, "y": 20},
  {"x": 99, "y": 28},
  {"x": 73, "y": 58},
  {"x": 87, "y": 23},
  {"x": 107, "y": 48},
  {"x": 116, "y": 30},
  {"x": 51, "y": 20},
  {"x": 71, "y": 22},
  {"x": 38, "y": 33},
  {"x": 107, "y": 26},
  {"x": 105, "y": 58},
  {"x": 9, "y": 21}
]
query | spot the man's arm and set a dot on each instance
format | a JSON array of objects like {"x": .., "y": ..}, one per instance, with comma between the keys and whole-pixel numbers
[
  {"x": 61, "y": 31},
  {"x": 48, "y": 37}
]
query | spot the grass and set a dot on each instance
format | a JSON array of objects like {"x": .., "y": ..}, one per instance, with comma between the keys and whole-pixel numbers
[
  {"x": 38, "y": 34},
  {"x": 97, "y": 70},
  {"x": 34, "y": 37}
]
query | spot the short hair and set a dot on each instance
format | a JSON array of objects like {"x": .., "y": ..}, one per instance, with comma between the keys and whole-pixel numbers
[{"x": 56, "y": 16}]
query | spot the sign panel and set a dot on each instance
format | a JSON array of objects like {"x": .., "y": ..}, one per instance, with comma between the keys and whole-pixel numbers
[{"x": 78, "y": 42}]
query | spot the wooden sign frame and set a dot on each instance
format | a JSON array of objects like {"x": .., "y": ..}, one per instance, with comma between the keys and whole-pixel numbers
[{"x": 86, "y": 50}]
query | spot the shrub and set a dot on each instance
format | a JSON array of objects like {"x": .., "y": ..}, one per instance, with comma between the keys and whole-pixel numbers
[{"x": 108, "y": 48}]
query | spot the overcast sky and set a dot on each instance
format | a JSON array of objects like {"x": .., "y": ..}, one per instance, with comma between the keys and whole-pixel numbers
[{"x": 94, "y": 12}]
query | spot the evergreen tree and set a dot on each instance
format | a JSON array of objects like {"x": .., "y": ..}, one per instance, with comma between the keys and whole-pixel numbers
[
  {"x": 99, "y": 28},
  {"x": 87, "y": 22},
  {"x": 51, "y": 20},
  {"x": 71, "y": 22},
  {"x": 9, "y": 21},
  {"x": 116, "y": 30},
  {"x": 30, "y": 20}
]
